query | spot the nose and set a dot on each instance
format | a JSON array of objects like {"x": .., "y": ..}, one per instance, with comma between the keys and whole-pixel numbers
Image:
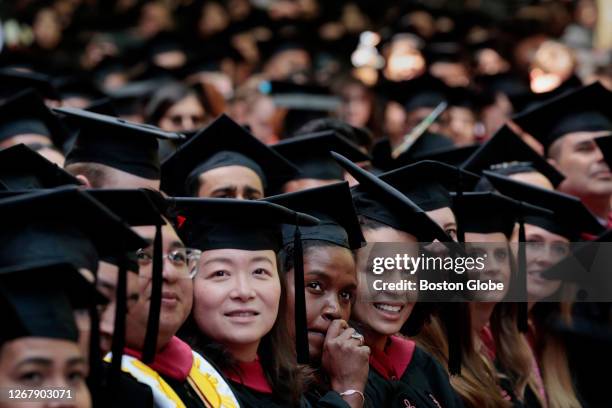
[
  {"x": 331, "y": 310},
  {"x": 170, "y": 272},
  {"x": 243, "y": 289}
]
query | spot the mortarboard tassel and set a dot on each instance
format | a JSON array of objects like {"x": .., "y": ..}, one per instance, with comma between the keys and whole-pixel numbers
[
  {"x": 150, "y": 343},
  {"x": 301, "y": 331},
  {"x": 522, "y": 318},
  {"x": 451, "y": 318},
  {"x": 95, "y": 359},
  {"x": 458, "y": 206},
  {"x": 119, "y": 329}
]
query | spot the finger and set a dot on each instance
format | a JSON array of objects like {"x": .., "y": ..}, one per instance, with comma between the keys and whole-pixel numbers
[
  {"x": 335, "y": 328},
  {"x": 347, "y": 333}
]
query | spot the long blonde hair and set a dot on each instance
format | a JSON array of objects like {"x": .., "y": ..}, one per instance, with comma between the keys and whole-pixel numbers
[
  {"x": 513, "y": 352},
  {"x": 477, "y": 384},
  {"x": 551, "y": 354}
]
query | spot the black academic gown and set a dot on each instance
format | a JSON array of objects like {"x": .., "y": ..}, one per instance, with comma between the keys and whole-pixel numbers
[
  {"x": 185, "y": 392},
  {"x": 130, "y": 392},
  {"x": 252, "y": 389},
  {"x": 406, "y": 376}
]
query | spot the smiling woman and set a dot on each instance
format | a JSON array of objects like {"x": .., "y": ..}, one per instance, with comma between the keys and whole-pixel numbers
[{"x": 239, "y": 296}]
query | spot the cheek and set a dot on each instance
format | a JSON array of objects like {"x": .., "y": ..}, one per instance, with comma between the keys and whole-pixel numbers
[
  {"x": 186, "y": 292},
  {"x": 270, "y": 294}
]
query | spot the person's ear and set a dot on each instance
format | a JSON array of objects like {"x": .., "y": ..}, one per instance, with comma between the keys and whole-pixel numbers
[{"x": 84, "y": 180}]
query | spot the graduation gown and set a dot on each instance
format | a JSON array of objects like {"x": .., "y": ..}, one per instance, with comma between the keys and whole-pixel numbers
[
  {"x": 180, "y": 377},
  {"x": 406, "y": 376},
  {"x": 252, "y": 388},
  {"x": 130, "y": 394}
]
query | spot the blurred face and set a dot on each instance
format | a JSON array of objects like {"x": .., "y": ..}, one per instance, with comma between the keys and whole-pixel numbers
[
  {"x": 37, "y": 362},
  {"x": 28, "y": 138},
  {"x": 231, "y": 182},
  {"x": 461, "y": 125},
  {"x": 108, "y": 275},
  {"x": 395, "y": 120},
  {"x": 382, "y": 312},
  {"x": 577, "y": 156},
  {"x": 185, "y": 115},
  {"x": 260, "y": 119},
  {"x": 287, "y": 64},
  {"x": 356, "y": 106},
  {"x": 494, "y": 248},
  {"x": 445, "y": 218},
  {"x": 544, "y": 249},
  {"x": 177, "y": 290},
  {"x": 330, "y": 283},
  {"x": 305, "y": 183},
  {"x": 237, "y": 295}
]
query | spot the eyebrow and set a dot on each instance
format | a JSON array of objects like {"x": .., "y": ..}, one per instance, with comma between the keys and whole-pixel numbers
[
  {"x": 251, "y": 190},
  {"x": 226, "y": 189},
  {"x": 219, "y": 259},
  {"x": 320, "y": 274},
  {"x": 36, "y": 360},
  {"x": 76, "y": 361},
  {"x": 176, "y": 244},
  {"x": 106, "y": 284},
  {"x": 262, "y": 259}
]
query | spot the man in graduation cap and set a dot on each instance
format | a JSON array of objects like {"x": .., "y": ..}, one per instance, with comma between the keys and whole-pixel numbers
[
  {"x": 566, "y": 126},
  {"x": 310, "y": 153},
  {"x": 224, "y": 161},
  {"x": 113, "y": 153}
]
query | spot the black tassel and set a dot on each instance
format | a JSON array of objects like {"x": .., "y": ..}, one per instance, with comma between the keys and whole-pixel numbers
[
  {"x": 458, "y": 206},
  {"x": 522, "y": 318},
  {"x": 301, "y": 331},
  {"x": 453, "y": 331},
  {"x": 95, "y": 359},
  {"x": 119, "y": 329},
  {"x": 150, "y": 343}
]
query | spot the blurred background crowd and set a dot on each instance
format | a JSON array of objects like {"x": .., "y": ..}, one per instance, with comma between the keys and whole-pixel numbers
[{"x": 272, "y": 65}]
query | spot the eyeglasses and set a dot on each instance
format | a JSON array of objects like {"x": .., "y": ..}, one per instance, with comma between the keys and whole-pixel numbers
[{"x": 184, "y": 260}]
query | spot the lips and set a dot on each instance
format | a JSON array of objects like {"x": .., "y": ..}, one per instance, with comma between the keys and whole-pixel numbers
[
  {"x": 169, "y": 298},
  {"x": 242, "y": 315},
  {"x": 388, "y": 307}
]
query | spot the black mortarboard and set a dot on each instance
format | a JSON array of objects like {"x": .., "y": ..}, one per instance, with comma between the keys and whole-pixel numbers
[
  {"x": 223, "y": 143},
  {"x": 218, "y": 223},
  {"x": 489, "y": 212},
  {"x": 506, "y": 148},
  {"x": 77, "y": 86},
  {"x": 24, "y": 169},
  {"x": 428, "y": 183},
  {"x": 605, "y": 145},
  {"x": 333, "y": 206},
  {"x": 63, "y": 225},
  {"x": 586, "y": 109},
  {"x": 115, "y": 142},
  {"x": 39, "y": 302},
  {"x": 381, "y": 202},
  {"x": 13, "y": 81},
  {"x": 304, "y": 102},
  {"x": 570, "y": 217},
  {"x": 250, "y": 225},
  {"x": 454, "y": 156},
  {"x": 26, "y": 113},
  {"x": 131, "y": 98},
  {"x": 311, "y": 154}
]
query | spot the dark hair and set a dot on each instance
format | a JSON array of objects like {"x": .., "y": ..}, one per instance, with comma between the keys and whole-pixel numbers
[
  {"x": 165, "y": 97},
  {"x": 276, "y": 351},
  {"x": 285, "y": 256},
  {"x": 367, "y": 223}
]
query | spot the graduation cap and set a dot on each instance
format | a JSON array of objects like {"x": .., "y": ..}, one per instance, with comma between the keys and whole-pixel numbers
[
  {"x": 504, "y": 149},
  {"x": 455, "y": 156},
  {"x": 60, "y": 225},
  {"x": 381, "y": 202},
  {"x": 219, "y": 223},
  {"x": 586, "y": 109},
  {"x": 605, "y": 145},
  {"x": 24, "y": 169},
  {"x": 303, "y": 102},
  {"x": 40, "y": 302},
  {"x": 570, "y": 217},
  {"x": 311, "y": 154},
  {"x": 333, "y": 205},
  {"x": 26, "y": 113},
  {"x": 13, "y": 81},
  {"x": 77, "y": 86},
  {"x": 223, "y": 143},
  {"x": 131, "y": 97},
  {"x": 428, "y": 183},
  {"x": 115, "y": 142}
]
